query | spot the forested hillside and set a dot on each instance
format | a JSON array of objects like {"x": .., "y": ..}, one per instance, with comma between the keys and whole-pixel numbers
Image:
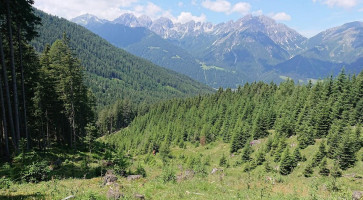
[
  {"x": 330, "y": 110},
  {"x": 112, "y": 73},
  {"x": 146, "y": 44}
]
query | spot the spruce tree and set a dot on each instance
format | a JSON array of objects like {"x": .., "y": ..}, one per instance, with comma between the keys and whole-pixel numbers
[
  {"x": 319, "y": 155},
  {"x": 296, "y": 157},
  {"x": 305, "y": 135},
  {"x": 346, "y": 151},
  {"x": 308, "y": 171},
  {"x": 335, "y": 171},
  {"x": 260, "y": 157},
  {"x": 259, "y": 127},
  {"x": 237, "y": 141},
  {"x": 281, "y": 147},
  {"x": 334, "y": 138},
  {"x": 286, "y": 164},
  {"x": 246, "y": 153},
  {"x": 323, "y": 170}
]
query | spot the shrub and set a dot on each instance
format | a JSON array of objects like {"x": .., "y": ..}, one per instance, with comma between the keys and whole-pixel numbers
[
  {"x": 121, "y": 164},
  {"x": 323, "y": 170},
  {"x": 141, "y": 171},
  {"x": 5, "y": 183},
  {"x": 168, "y": 175},
  {"x": 308, "y": 171},
  {"x": 223, "y": 161},
  {"x": 35, "y": 172}
]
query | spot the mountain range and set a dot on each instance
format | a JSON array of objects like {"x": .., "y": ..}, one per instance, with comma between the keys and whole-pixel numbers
[
  {"x": 252, "y": 48},
  {"x": 112, "y": 73}
]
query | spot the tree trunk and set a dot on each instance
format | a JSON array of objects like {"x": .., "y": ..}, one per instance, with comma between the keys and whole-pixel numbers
[
  {"x": 10, "y": 110},
  {"x": 13, "y": 73},
  {"x": 23, "y": 90},
  {"x": 6, "y": 138},
  {"x": 47, "y": 118}
]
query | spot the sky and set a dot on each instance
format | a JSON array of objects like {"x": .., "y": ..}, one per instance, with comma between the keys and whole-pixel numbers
[{"x": 308, "y": 17}]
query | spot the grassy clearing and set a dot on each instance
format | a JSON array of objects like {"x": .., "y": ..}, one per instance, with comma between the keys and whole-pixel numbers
[{"x": 232, "y": 183}]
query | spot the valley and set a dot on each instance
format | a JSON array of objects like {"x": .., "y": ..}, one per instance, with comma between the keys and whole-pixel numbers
[
  {"x": 136, "y": 102},
  {"x": 252, "y": 48}
]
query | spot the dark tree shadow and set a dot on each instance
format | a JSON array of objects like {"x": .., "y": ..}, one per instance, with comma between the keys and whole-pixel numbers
[{"x": 21, "y": 197}]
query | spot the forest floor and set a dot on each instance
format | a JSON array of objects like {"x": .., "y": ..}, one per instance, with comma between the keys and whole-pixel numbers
[{"x": 231, "y": 183}]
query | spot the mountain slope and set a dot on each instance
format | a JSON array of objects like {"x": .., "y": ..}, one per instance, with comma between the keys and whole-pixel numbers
[
  {"x": 144, "y": 43},
  {"x": 339, "y": 44},
  {"x": 112, "y": 73},
  {"x": 255, "y": 48},
  {"x": 327, "y": 53}
]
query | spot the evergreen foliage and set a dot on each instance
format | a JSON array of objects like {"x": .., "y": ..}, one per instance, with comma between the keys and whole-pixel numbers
[
  {"x": 286, "y": 164},
  {"x": 319, "y": 155},
  {"x": 112, "y": 73},
  {"x": 323, "y": 170},
  {"x": 232, "y": 116},
  {"x": 309, "y": 170}
]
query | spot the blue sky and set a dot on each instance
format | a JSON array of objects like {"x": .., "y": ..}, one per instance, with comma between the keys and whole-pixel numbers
[{"x": 308, "y": 17}]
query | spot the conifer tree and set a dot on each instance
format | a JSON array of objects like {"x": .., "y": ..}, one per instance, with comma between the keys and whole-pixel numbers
[
  {"x": 334, "y": 138},
  {"x": 335, "y": 171},
  {"x": 319, "y": 155},
  {"x": 308, "y": 171},
  {"x": 346, "y": 151},
  {"x": 259, "y": 127},
  {"x": 305, "y": 135},
  {"x": 236, "y": 143},
  {"x": 286, "y": 164},
  {"x": 260, "y": 157},
  {"x": 280, "y": 149},
  {"x": 323, "y": 170},
  {"x": 246, "y": 153},
  {"x": 296, "y": 157}
]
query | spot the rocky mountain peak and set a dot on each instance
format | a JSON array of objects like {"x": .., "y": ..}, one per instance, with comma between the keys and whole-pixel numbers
[{"x": 86, "y": 19}]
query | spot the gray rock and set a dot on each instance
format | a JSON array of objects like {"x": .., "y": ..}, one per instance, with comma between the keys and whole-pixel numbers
[
  {"x": 188, "y": 174},
  {"x": 69, "y": 197},
  {"x": 114, "y": 194},
  {"x": 357, "y": 195},
  {"x": 215, "y": 170},
  {"x": 133, "y": 177},
  {"x": 109, "y": 178},
  {"x": 254, "y": 142},
  {"x": 139, "y": 196}
]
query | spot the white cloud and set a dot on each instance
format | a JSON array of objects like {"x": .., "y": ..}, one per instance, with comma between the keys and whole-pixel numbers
[
  {"x": 339, "y": 3},
  {"x": 226, "y": 7},
  {"x": 241, "y": 7},
  {"x": 185, "y": 17},
  {"x": 149, "y": 9},
  {"x": 111, "y": 9},
  {"x": 107, "y": 9},
  {"x": 257, "y": 12},
  {"x": 217, "y": 6},
  {"x": 281, "y": 16}
]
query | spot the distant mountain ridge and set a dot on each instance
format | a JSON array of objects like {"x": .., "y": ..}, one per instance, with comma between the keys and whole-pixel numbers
[
  {"x": 112, "y": 73},
  {"x": 252, "y": 48}
]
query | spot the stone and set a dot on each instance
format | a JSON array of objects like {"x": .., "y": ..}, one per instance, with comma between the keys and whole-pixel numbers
[
  {"x": 254, "y": 142},
  {"x": 107, "y": 163},
  {"x": 188, "y": 174},
  {"x": 357, "y": 195},
  {"x": 133, "y": 177},
  {"x": 69, "y": 197},
  {"x": 109, "y": 178},
  {"x": 114, "y": 194},
  {"x": 215, "y": 170},
  {"x": 139, "y": 196}
]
